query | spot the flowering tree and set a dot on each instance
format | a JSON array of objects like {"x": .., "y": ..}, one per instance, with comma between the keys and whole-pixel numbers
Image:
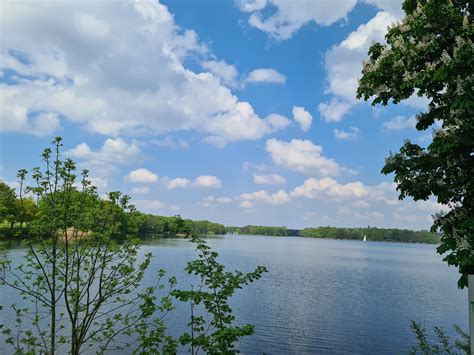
[{"x": 431, "y": 53}]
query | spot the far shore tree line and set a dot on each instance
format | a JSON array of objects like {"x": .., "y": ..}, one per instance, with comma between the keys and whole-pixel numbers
[
  {"x": 14, "y": 215},
  {"x": 371, "y": 233}
]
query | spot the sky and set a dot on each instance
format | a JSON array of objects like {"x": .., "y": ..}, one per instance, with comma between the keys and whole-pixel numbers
[{"x": 239, "y": 112}]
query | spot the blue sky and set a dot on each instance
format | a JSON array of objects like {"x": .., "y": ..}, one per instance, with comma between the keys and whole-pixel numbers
[{"x": 240, "y": 112}]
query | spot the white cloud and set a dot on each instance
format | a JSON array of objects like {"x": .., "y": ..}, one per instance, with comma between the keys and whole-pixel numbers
[
  {"x": 266, "y": 76},
  {"x": 103, "y": 162},
  {"x": 142, "y": 176},
  {"x": 302, "y": 156},
  {"x": 141, "y": 190},
  {"x": 68, "y": 59},
  {"x": 258, "y": 167},
  {"x": 361, "y": 204},
  {"x": 270, "y": 179},
  {"x": 171, "y": 143},
  {"x": 226, "y": 72},
  {"x": 112, "y": 151},
  {"x": 154, "y": 205},
  {"x": 291, "y": 15},
  {"x": 302, "y": 117},
  {"x": 178, "y": 183},
  {"x": 15, "y": 118},
  {"x": 277, "y": 121},
  {"x": 343, "y": 64},
  {"x": 334, "y": 110},
  {"x": 240, "y": 123},
  {"x": 212, "y": 201},
  {"x": 315, "y": 188},
  {"x": 277, "y": 198},
  {"x": 208, "y": 181},
  {"x": 251, "y": 5},
  {"x": 340, "y": 134},
  {"x": 399, "y": 123},
  {"x": 245, "y": 204}
]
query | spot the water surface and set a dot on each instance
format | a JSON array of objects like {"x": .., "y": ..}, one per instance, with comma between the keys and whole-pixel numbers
[{"x": 326, "y": 296}]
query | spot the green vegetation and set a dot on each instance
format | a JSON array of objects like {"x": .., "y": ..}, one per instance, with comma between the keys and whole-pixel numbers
[
  {"x": 81, "y": 280},
  {"x": 263, "y": 230},
  {"x": 372, "y": 234},
  {"x": 431, "y": 53},
  {"x": 171, "y": 226},
  {"x": 444, "y": 345}
]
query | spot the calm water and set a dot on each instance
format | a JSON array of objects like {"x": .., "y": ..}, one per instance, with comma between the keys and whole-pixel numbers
[{"x": 326, "y": 296}]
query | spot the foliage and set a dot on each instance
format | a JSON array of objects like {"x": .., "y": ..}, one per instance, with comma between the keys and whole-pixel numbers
[
  {"x": 8, "y": 204},
  {"x": 172, "y": 226},
  {"x": 81, "y": 276},
  {"x": 81, "y": 285},
  {"x": 372, "y": 234},
  {"x": 263, "y": 230},
  {"x": 444, "y": 345},
  {"x": 217, "y": 335},
  {"x": 431, "y": 54}
]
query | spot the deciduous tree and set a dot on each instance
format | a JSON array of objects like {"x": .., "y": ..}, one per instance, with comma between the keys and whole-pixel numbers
[{"x": 430, "y": 53}]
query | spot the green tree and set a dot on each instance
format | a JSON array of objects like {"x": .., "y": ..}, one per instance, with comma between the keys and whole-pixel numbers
[
  {"x": 81, "y": 276},
  {"x": 8, "y": 205},
  {"x": 430, "y": 53},
  {"x": 82, "y": 286},
  {"x": 211, "y": 326}
]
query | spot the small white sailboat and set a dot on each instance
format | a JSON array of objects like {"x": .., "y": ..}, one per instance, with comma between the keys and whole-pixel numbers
[{"x": 365, "y": 238}]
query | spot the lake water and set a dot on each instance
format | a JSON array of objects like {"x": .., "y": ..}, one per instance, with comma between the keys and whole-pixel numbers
[{"x": 325, "y": 296}]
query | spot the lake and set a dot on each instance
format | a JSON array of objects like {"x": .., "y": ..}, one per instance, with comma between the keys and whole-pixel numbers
[{"x": 325, "y": 296}]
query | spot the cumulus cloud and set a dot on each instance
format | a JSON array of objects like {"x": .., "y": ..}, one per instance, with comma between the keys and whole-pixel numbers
[
  {"x": 226, "y": 72},
  {"x": 277, "y": 198},
  {"x": 277, "y": 121},
  {"x": 14, "y": 118},
  {"x": 212, "y": 201},
  {"x": 334, "y": 110},
  {"x": 269, "y": 179},
  {"x": 314, "y": 188},
  {"x": 154, "y": 205},
  {"x": 302, "y": 117},
  {"x": 266, "y": 76},
  {"x": 67, "y": 59},
  {"x": 245, "y": 204},
  {"x": 352, "y": 133},
  {"x": 141, "y": 190},
  {"x": 178, "y": 183},
  {"x": 170, "y": 143},
  {"x": 302, "y": 156},
  {"x": 290, "y": 16},
  {"x": 399, "y": 123},
  {"x": 112, "y": 151},
  {"x": 103, "y": 162},
  {"x": 240, "y": 123},
  {"x": 343, "y": 64},
  {"x": 208, "y": 181},
  {"x": 142, "y": 176}
]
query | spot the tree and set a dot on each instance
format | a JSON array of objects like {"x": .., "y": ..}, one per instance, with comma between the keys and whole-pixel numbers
[
  {"x": 8, "y": 204},
  {"x": 213, "y": 330},
  {"x": 82, "y": 286},
  {"x": 430, "y": 53},
  {"x": 81, "y": 276}
]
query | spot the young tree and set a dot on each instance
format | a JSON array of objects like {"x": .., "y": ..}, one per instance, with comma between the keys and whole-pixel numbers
[
  {"x": 431, "y": 53},
  {"x": 83, "y": 288},
  {"x": 81, "y": 285},
  {"x": 211, "y": 324}
]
